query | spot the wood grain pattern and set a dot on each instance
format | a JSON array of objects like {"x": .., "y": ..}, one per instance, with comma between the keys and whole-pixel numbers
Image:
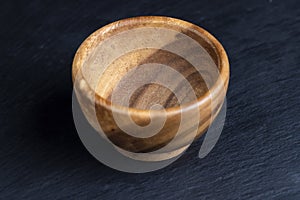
[{"x": 150, "y": 94}]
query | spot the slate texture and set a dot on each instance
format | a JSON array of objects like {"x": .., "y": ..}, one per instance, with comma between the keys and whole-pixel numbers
[{"x": 256, "y": 157}]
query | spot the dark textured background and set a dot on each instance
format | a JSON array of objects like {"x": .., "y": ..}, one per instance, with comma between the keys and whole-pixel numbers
[{"x": 257, "y": 156}]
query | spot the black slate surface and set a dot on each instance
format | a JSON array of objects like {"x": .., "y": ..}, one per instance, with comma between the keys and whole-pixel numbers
[{"x": 257, "y": 156}]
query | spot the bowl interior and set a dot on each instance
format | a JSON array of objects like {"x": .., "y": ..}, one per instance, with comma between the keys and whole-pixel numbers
[{"x": 151, "y": 64}]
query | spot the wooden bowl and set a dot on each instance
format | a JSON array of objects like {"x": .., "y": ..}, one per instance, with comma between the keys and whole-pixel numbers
[{"x": 116, "y": 74}]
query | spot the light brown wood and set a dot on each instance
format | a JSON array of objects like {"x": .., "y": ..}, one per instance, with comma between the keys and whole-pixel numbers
[{"x": 115, "y": 80}]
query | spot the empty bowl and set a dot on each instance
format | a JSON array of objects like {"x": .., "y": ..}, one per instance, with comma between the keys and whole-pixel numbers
[{"x": 150, "y": 85}]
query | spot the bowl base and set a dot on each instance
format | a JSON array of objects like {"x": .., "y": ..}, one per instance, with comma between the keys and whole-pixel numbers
[{"x": 152, "y": 157}]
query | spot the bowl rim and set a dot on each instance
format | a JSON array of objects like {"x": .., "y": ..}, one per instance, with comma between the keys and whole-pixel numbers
[{"x": 220, "y": 84}]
